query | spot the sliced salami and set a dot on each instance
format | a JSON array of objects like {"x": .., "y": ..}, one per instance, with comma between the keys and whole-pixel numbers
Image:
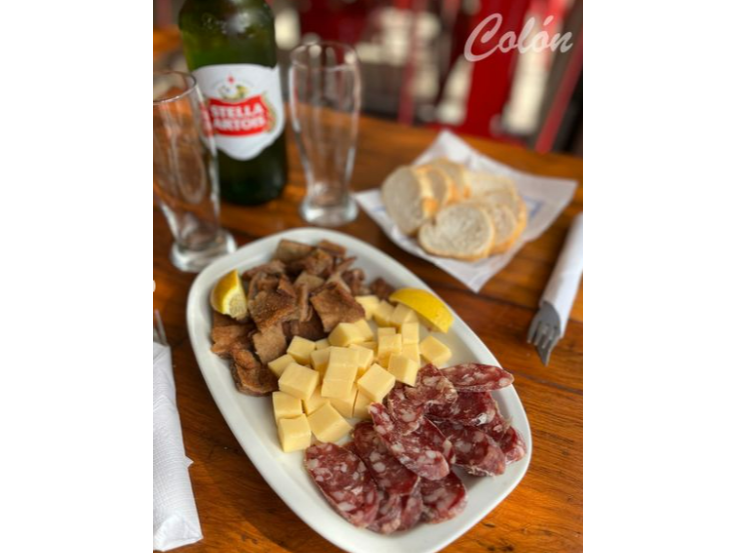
[
  {"x": 431, "y": 434},
  {"x": 406, "y": 412},
  {"x": 388, "y": 473},
  {"x": 344, "y": 481},
  {"x": 476, "y": 452},
  {"x": 415, "y": 451},
  {"x": 475, "y": 377},
  {"x": 442, "y": 499},
  {"x": 432, "y": 387},
  {"x": 512, "y": 445},
  {"x": 389, "y": 516},
  {"x": 470, "y": 409},
  {"x": 411, "y": 510}
]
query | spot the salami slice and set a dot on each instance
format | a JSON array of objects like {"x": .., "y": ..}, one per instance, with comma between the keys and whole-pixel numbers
[
  {"x": 411, "y": 510},
  {"x": 442, "y": 499},
  {"x": 431, "y": 434},
  {"x": 476, "y": 452},
  {"x": 344, "y": 481},
  {"x": 388, "y": 473},
  {"x": 407, "y": 404},
  {"x": 470, "y": 409},
  {"x": 389, "y": 517},
  {"x": 475, "y": 377},
  {"x": 415, "y": 451},
  {"x": 512, "y": 445}
]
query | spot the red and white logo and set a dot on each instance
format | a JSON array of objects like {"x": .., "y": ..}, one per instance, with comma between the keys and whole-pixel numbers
[{"x": 245, "y": 106}]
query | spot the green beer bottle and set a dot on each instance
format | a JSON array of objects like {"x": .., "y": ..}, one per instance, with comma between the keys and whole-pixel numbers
[{"x": 231, "y": 50}]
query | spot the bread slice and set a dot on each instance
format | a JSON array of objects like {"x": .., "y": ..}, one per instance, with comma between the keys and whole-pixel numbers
[
  {"x": 506, "y": 225},
  {"x": 439, "y": 182},
  {"x": 408, "y": 199},
  {"x": 462, "y": 231},
  {"x": 457, "y": 173},
  {"x": 481, "y": 184}
]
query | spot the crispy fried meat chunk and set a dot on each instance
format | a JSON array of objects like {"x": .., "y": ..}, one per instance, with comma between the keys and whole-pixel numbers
[{"x": 334, "y": 304}]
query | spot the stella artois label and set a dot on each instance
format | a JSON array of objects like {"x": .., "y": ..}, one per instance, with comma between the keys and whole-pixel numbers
[{"x": 245, "y": 106}]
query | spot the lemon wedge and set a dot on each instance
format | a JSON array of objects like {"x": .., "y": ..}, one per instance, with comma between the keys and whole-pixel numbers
[
  {"x": 228, "y": 296},
  {"x": 426, "y": 305}
]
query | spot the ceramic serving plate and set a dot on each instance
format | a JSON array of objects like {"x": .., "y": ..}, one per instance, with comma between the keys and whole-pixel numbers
[{"x": 251, "y": 418}]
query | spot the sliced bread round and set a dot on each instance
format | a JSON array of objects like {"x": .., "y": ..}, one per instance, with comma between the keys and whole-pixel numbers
[
  {"x": 463, "y": 231},
  {"x": 457, "y": 173},
  {"x": 481, "y": 184},
  {"x": 439, "y": 182},
  {"x": 408, "y": 199},
  {"x": 506, "y": 225}
]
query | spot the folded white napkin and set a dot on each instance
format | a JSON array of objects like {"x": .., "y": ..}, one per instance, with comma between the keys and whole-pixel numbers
[
  {"x": 545, "y": 198},
  {"x": 175, "y": 514},
  {"x": 563, "y": 284}
]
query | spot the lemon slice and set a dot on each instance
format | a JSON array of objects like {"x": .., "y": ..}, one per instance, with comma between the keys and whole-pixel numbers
[
  {"x": 228, "y": 296},
  {"x": 426, "y": 305}
]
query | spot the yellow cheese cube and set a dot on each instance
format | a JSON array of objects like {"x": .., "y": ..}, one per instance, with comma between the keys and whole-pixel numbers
[
  {"x": 360, "y": 407},
  {"x": 369, "y": 304},
  {"x": 320, "y": 358},
  {"x": 286, "y": 406},
  {"x": 300, "y": 348},
  {"x": 365, "y": 329},
  {"x": 412, "y": 351},
  {"x": 294, "y": 434},
  {"x": 385, "y": 331},
  {"x": 322, "y": 344},
  {"x": 278, "y": 365},
  {"x": 299, "y": 381},
  {"x": 383, "y": 314},
  {"x": 327, "y": 424},
  {"x": 315, "y": 402},
  {"x": 435, "y": 351},
  {"x": 411, "y": 333},
  {"x": 344, "y": 405},
  {"x": 343, "y": 356},
  {"x": 402, "y": 314},
  {"x": 369, "y": 345},
  {"x": 404, "y": 369},
  {"x": 345, "y": 334},
  {"x": 376, "y": 383},
  {"x": 387, "y": 346},
  {"x": 336, "y": 388},
  {"x": 365, "y": 358}
]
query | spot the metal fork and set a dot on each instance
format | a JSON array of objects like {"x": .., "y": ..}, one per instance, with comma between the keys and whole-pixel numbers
[
  {"x": 159, "y": 334},
  {"x": 544, "y": 331}
]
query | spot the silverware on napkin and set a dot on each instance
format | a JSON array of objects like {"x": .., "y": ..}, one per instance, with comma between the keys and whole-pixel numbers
[{"x": 550, "y": 321}]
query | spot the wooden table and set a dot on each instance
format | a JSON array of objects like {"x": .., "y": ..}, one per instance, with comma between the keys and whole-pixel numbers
[{"x": 240, "y": 513}]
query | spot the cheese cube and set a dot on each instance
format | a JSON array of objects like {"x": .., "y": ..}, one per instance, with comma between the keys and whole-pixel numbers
[
  {"x": 376, "y": 383},
  {"x": 369, "y": 345},
  {"x": 404, "y": 369},
  {"x": 300, "y": 349},
  {"x": 387, "y": 346},
  {"x": 315, "y": 402},
  {"x": 320, "y": 358},
  {"x": 322, "y": 344},
  {"x": 365, "y": 358},
  {"x": 327, "y": 424},
  {"x": 299, "y": 381},
  {"x": 383, "y": 314},
  {"x": 336, "y": 388},
  {"x": 411, "y": 333},
  {"x": 294, "y": 434},
  {"x": 278, "y": 365},
  {"x": 344, "y": 405},
  {"x": 402, "y": 314},
  {"x": 286, "y": 406},
  {"x": 343, "y": 356},
  {"x": 385, "y": 331},
  {"x": 365, "y": 330},
  {"x": 345, "y": 334},
  {"x": 369, "y": 304},
  {"x": 412, "y": 351},
  {"x": 360, "y": 407},
  {"x": 435, "y": 351}
]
